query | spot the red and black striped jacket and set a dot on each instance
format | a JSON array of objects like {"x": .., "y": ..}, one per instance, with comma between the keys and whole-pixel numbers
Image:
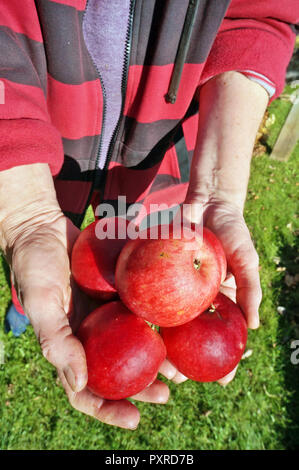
[{"x": 53, "y": 106}]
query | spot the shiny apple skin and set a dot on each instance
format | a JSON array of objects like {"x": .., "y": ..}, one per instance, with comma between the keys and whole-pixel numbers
[
  {"x": 93, "y": 261},
  {"x": 170, "y": 282},
  {"x": 218, "y": 248},
  {"x": 123, "y": 352},
  {"x": 210, "y": 346}
]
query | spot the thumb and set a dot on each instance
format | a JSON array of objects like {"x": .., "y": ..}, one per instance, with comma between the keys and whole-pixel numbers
[
  {"x": 59, "y": 346},
  {"x": 244, "y": 264},
  {"x": 249, "y": 293}
]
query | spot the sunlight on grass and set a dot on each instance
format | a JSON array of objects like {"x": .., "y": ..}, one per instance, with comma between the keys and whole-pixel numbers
[{"x": 258, "y": 410}]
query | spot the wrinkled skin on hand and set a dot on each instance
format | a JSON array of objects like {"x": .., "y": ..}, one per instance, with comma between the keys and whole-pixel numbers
[
  {"x": 39, "y": 258},
  {"x": 55, "y": 307},
  {"x": 242, "y": 283}
]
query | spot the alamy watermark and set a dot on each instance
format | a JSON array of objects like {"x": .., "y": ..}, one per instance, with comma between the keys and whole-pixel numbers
[
  {"x": 2, "y": 92},
  {"x": 1, "y": 352},
  {"x": 157, "y": 221},
  {"x": 295, "y": 353}
]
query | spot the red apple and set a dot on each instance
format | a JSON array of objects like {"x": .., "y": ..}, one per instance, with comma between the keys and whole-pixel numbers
[
  {"x": 210, "y": 346},
  {"x": 217, "y": 246},
  {"x": 123, "y": 352},
  {"x": 93, "y": 259},
  {"x": 169, "y": 282}
]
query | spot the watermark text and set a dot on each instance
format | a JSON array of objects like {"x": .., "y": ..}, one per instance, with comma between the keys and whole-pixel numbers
[
  {"x": 155, "y": 221},
  {"x": 295, "y": 353}
]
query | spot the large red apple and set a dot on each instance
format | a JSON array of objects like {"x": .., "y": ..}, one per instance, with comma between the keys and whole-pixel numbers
[
  {"x": 123, "y": 352},
  {"x": 93, "y": 259},
  {"x": 210, "y": 346},
  {"x": 169, "y": 282}
]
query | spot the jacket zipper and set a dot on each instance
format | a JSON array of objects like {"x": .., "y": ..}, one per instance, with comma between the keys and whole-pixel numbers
[
  {"x": 96, "y": 179},
  {"x": 100, "y": 177},
  {"x": 124, "y": 81}
]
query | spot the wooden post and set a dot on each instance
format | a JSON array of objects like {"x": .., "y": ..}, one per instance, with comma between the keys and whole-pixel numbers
[{"x": 289, "y": 135}]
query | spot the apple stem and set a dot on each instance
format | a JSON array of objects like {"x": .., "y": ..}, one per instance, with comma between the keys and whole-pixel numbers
[
  {"x": 213, "y": 309},
  {"x": 152, "y": 326},
  {"x": 196, "y": 264}
]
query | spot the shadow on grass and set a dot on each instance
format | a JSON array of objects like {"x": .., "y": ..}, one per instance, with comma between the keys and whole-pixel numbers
[
  {"x": 288, "y": 332},
  {"x": 6, "y": 270}
]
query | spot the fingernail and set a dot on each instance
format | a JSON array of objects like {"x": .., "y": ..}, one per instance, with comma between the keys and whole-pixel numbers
[
  {"x": 255, "y": 323},
  {"x": 170, "y": 374},
  {"x": 179, "y": 378},
  {"x": 70, "y": 377},
  {"x": 223, "y": 384},
  {"x": 132, "y": 426},
  {"x": 169, "y": 371},
  {"x": 163, "y": 398},
  {"x": 81, "y": 382}
]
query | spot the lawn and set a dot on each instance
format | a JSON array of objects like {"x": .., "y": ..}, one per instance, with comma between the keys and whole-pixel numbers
[{"x": 258, "y": 410}]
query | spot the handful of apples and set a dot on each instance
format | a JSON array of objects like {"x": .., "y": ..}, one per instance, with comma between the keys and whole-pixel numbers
[{"x": 170, "y": 282}]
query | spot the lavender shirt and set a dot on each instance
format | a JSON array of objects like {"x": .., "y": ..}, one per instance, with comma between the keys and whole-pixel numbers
[{"x": 104, "y": 29}]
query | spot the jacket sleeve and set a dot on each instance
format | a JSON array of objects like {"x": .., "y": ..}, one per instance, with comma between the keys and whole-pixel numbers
[
  {"x": 255, "y": 38},
  {"x": 26, "y": 133}
]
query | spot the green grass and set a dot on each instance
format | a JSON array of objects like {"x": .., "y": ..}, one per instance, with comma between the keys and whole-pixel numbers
[{"x": 258, "y": 410}]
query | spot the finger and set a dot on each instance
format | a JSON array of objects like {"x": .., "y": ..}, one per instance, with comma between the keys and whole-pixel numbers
[
  {"x": 80, "y": 306},
  {"x": 245, "y": 266},
  {"x": 179, "y": 378},
  {"x": 167, "y": 369},
  {"x": 72, "y": 233},
  {"x": 229, "y": 288},
  {"x": 119, "y": 413},
  {"x": 59, "y": 346},
  {"x": 157, "y": 392},
  {"x": 171, "y": 373},
  {"x": 228, "y": 378},
  {"x": 243, "y": 263}
]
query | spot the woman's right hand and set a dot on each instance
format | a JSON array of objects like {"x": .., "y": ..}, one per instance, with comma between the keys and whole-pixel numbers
[{"x": 37, "y": 240}]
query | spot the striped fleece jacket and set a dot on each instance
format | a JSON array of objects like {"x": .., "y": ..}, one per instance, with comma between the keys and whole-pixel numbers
[{"x": 54, "y": 106}]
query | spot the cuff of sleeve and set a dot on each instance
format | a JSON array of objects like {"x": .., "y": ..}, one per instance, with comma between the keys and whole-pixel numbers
[
  {"x": 261, "y": 80},
  {"x": 28, "y": 141},
  {"x": 251, "y": 49}
]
